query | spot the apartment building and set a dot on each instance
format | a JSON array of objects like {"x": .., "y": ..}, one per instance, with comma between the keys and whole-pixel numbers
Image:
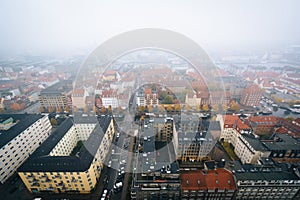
[
  {"x": 79, "y": 97},
  {"x": 266, "y": 182},
  {"x": 61, "y": 164},
  {"x": 251, "y": 96},
  {"x": 231, "y": 127},
  {"x": 283, "y": 148},
  {"x": 56, "y": 95},
  {"x": 146, "y": 97},
  {"x": 20, "y": 136},
  {"x": 207, "y": 184},
  {"x": 250, "y": 149},
  {"x": 193, "y": 99},
  {"x": 164, "y": 128},
  {"x": 263, "y": 125}
]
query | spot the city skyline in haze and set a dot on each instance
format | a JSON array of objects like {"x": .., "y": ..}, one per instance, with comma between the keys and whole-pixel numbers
[{"x": 41, "y": 27}]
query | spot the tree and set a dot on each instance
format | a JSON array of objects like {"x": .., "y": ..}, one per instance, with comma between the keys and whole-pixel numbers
[
  {"x": 224, "y": 107},
  {"x": 215, "y": 107},
  {"x": 67, "y": 109},
  {"x": 103, "y": 109},
  {"x": 150, "y": 108},
  {"x": 161, "y": 108},
  {"x": 58, "y": 109},
  {"x": 168, "y": 100},
  {"x": 169, "y": 107},
  {"x": 120, "y": 110},
  {"x": 75, "y": 109},
  {"x": 86, "y": 109},
  {"x": 177, "y": 107},
  {"x": 205, "y": 107},
  {"x": 41, "y": 109},
  {"x": 50, "y": 109},
  {"x": 95, "y": 109},
  {"x": 235, "y": 106},
  {"x": 141, "y": 108},
  {"x": 290, "y": 119},
  {"x": 187, "y": 107},
  {"x": 197, "y": 107},
  {"x": 109, "y": 109},
  {"x": 53, "y": 122}
]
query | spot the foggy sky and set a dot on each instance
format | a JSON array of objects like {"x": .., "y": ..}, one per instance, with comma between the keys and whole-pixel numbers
[{"x": 57, "y": 25}]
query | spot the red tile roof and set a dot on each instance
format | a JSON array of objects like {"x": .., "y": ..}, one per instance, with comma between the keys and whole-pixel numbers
[
  {"x": 234, "y": 121},
  {"x": 211, "y": 179}
]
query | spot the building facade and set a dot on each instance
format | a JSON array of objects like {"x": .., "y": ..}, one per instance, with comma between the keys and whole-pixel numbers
[
  {"x": 20, "y": 136},
  {"x": 79, "y": 97},
  {"x": 266, "y": 182},
  {"x": 57, "y": 95},
  {"x": 231, "y": 128},
  {"x": 251, "y": 96},
  {"x": 250, "y": 149},
  {"x": 283, "y": 148}
]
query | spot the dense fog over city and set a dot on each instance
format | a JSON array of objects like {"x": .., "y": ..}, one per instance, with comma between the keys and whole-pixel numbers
[
  {"x": 149, "y": 100},
  {"x": 58, "y": 27}
]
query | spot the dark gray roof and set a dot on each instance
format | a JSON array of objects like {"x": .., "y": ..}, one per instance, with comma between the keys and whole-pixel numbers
[
  {"x": 41, "y": 161},
  {"x": 273, "y": 175},
  {"x": 58, "y": 88},
  {"x": 23, "y": 122},
  {"x": 267, "y": 172},
  {"x": 254, "y": 142},
  {"x": 284, "y": 142}
]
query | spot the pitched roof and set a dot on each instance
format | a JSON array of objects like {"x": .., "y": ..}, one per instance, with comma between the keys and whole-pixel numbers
[{"x": 211, "y": 179}]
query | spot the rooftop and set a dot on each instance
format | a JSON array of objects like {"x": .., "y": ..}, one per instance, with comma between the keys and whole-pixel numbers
[
  {"x": 282, "y": 142},
  {"x": 41, "y": 161},
  {"x": 207, "y": 179},
  {"x": 58, "y": 88},
  {"x": 268, "y": 171},
  {"x": 23, "y": 121},
  {"x": 235, "y": 122},
  {"x": 254, "y": 142}
]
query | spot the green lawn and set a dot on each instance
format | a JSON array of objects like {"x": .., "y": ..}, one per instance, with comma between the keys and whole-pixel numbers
[{"x": 229, "y": 151}]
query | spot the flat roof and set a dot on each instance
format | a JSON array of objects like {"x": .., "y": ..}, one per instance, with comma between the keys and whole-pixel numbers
[
  {"x": 23, "y": 122},
  {"x": 58, "y": 88},
  {"x": 273, "y": 175},
  {"x": 254, "y": 142},
  {"x": 263, "y": 172},
  {"x": 284, "y": 142},
  {"x": 41, "y": 161}
]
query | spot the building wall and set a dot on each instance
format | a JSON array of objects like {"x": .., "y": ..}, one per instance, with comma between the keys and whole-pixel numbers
[
  {"x": 65, "y": 146},
  {"x": 230, "y": 135},
  {"x": 14, "y": 153},
  {"x": 81, "y": 182},
  {"x": 78, "y": 101},
  {"x": 54, "y": 100},
  {"x": 271, "y": 189},
  {"x": 246, "y": 152},
  {"x": 110, "y": 101}
]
